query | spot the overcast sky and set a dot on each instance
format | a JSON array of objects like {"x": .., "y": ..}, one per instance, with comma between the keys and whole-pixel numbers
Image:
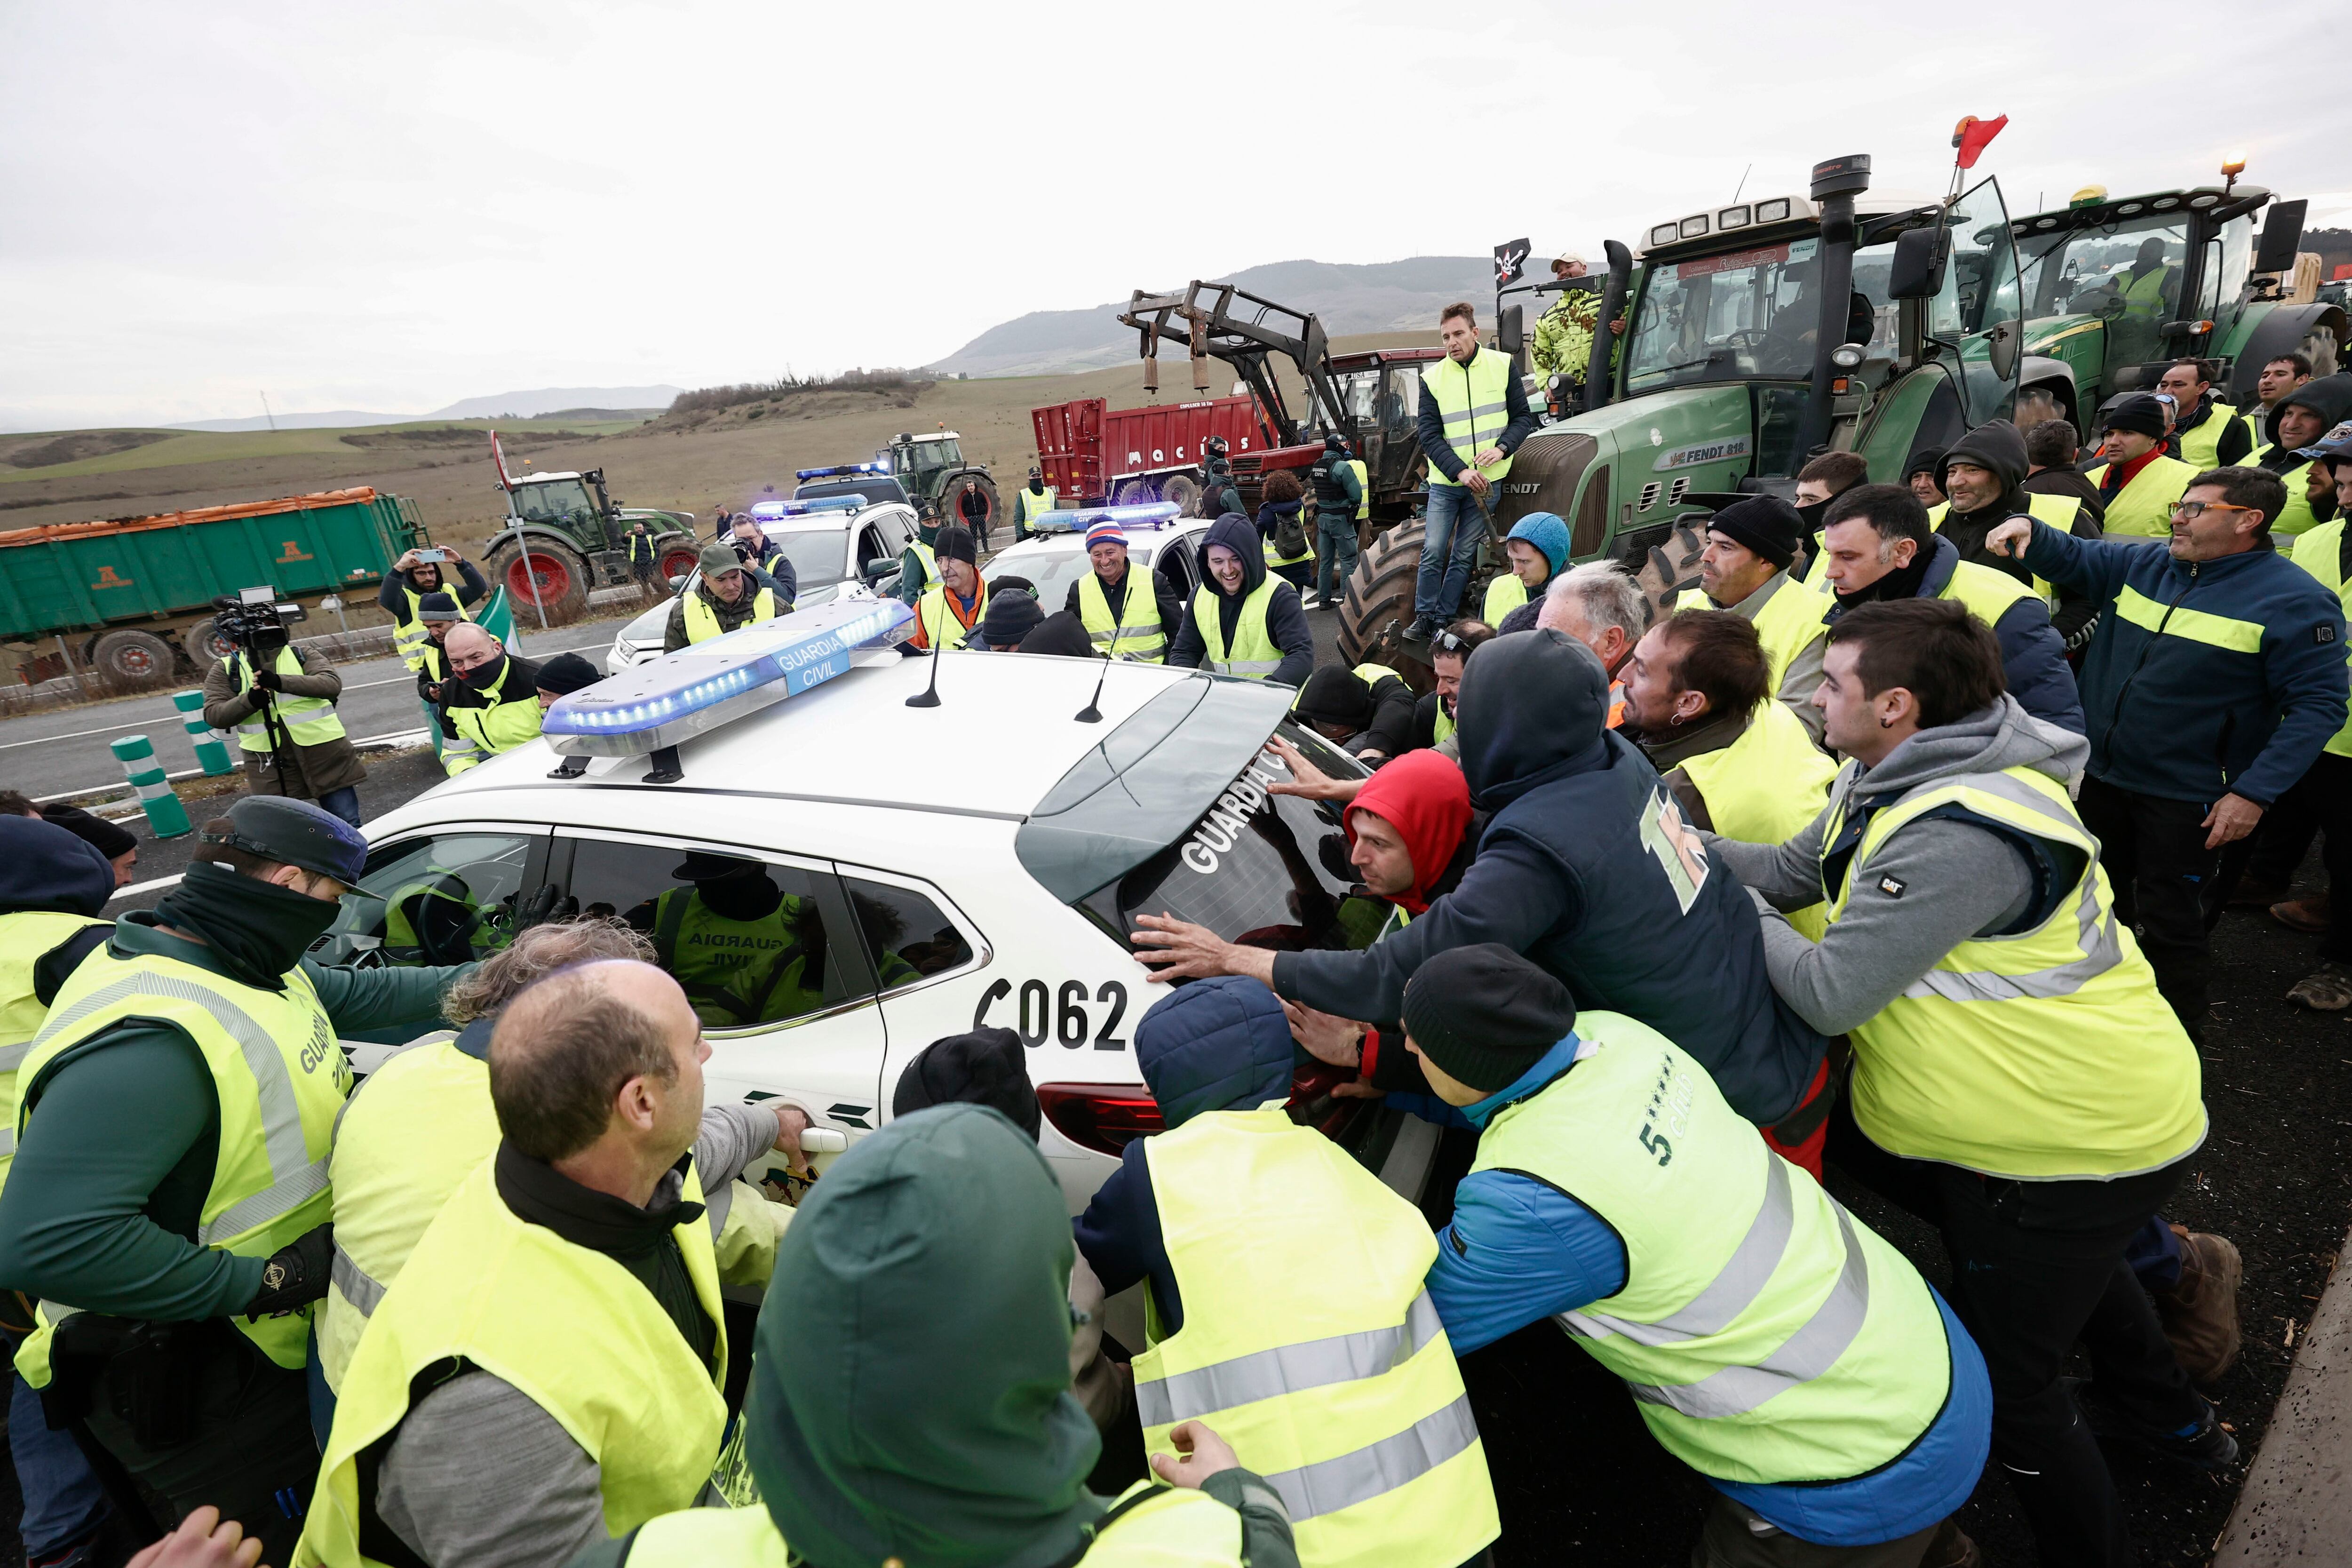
[{"x": 393, "y": 206}]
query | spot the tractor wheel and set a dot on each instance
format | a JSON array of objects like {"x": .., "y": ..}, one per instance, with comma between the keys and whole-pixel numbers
[
  {"x": 952, "y": 499},
  {"x": 1379, "y": 605},
  {"x": 676, "y": 555},
  {"x": 134, "y": 661},
  {"x": 1133, "y": 492},
  {"x": 205, "y": 644},
  {"x": 1669, "y": 569},
  {"x": 556, "y": 579},
  {"x": 1182, "y": 490}
]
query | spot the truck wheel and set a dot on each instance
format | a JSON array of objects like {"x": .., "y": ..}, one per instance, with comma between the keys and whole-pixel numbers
[
  {"x": 1379, "y": 605},
  {"x": 134, "y": 661},
  {"x": 1133, "y": 492},
  {"x": 557, "y": 574},
  {"x": 205, "y": 644},
  {"x": 952, "y": 503},
  {"x": 1182, "y": 491},
  {"x": 676, "y": 555},
  {"x": 1669, "y": 568}
]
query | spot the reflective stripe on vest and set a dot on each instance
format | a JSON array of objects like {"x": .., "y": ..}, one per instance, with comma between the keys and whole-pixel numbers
[
  {"x": 2321, "y": 553},
  {"x": 1363, "y": 486},
  {"x": 1034, "y": 505},
  {"x": 619, "y": 1378},
  {"x": 1135, "y": 631},
  {"x": 309, "y": 721},
  {"x": 279, "y": 1081},
  {"x": 406, "y": 1139},
  {"x": 1309, "y": 1344},
  {"x": 1506, "y": 594},
  {"x": 1746, "y": 1286},
  {"x": 1474, "y": 402},
  {"x": 929, "y": 558},
  {"x": 2047, "y": 1055},
  {"x": 1273, "y": 557},
  {"x": 736, "y": 972},
  {"x": 702, "y": 621},
  {"x": 27, "y": 937},
  {"x": 2144, "y": 506},
  {"x": 409, "y": 638},
  {"x": 1766, "y": 786},
  {"x": 476, "y": 734},
  {"x": 1255, "y": 653},
  {"x": 2226, "y": 632}
]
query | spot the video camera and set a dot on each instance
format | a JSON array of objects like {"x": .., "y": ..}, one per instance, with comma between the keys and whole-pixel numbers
[{"x": 255, "y": 620}]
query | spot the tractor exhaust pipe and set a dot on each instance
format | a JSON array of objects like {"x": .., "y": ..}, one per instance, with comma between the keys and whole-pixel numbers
[
  {"x": 1599, "y": 378},
  {"x": 1835, "y": 185}
]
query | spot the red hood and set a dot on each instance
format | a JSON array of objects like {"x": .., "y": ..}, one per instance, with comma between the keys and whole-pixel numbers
[{"x": 1424, "y": 796}]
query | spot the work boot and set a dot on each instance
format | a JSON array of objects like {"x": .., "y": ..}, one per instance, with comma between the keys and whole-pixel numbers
[
  {"x": 1951, "y": 1548},
  {"x": 2200, "y": 1311},
  {"x": 2251, "y": 895},
  {"x": 2308, "y": 916},
  {"x": 2203, "y": 1445},
  {"x": 1420, "y": 631},
  {"x": 2326, "y": 989}
]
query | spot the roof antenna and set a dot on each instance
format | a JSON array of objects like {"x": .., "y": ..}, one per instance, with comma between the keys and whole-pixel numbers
[
  {"x": 1743, "y": 181},
  {"x": 1092, "y": 712},
  {"x": 930, "y": 696}
]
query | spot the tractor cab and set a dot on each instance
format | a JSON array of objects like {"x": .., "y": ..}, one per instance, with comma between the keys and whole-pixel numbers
[
  {"x": 918, "y": 460},
  {"x": 1379, "y": 396},
  {"x": 576, "y": 501}
]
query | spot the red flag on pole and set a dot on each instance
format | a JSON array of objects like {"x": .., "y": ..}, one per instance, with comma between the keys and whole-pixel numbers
[
  {"x": 1973, "y": 136},
  {"x": 500, "y": 457}
]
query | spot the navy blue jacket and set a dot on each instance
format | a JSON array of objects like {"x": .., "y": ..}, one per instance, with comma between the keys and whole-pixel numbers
[
  {"x": 2204, "y": 679},
  {"x": 1578, "y": 871},
  {"x": 1214, "y": 1045},
  {"x": 2033, "y": 655},
  {"x": 1286, "y": 617},
  {"x": 1430, "y": 428}
]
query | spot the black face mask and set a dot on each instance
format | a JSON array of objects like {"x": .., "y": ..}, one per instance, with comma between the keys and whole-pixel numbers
[
  {"x": 257, "y": 929},
  {"x": 483, "y": 678},
  {"x": 1811, "y": 513}
]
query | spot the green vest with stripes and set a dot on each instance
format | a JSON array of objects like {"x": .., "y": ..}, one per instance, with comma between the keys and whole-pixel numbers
[
  {"x": 309, "y": 721},
  {"x": 27, "y": 937},
  {"x": 1255, "y": 653},
  {"x": 1474, "y": 399},
  {"x": 409, "y": 638},
  {"x": 1134, "y": 631},
  {"x": 281, "y": 1079},
  {"x": 736, "y": 972},
  {"x": 2042, "y": 1055},
  {"x": 2321, "y": 553},
  {"x": 1309, "y": 1344},
  {"x": 1766, "y": 1335}
]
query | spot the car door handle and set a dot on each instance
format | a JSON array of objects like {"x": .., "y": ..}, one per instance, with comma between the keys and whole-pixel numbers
[{"x": 824, "y": 1140}]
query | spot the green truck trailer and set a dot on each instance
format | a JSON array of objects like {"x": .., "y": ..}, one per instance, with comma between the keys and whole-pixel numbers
[{"x": 130, "y": 597}]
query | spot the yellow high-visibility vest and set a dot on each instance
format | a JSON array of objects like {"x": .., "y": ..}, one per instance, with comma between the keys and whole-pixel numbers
[
  {"x": 409, "y": 638},
  {"x": 2321, "y": 553},
  {"x": 307, "y": 720},
  {"x": 1134, "y": 631},
  {"x": 2144, "y": 506},
  {"x": 1474, "y": 399},
  {"x": 27, "y": 937},
  {"x": 1255, "y": 653},
  {"x": 702, "y": 621},
  {"x": 1504, "y": 594},
  {"x": 1766, "y": 786}
]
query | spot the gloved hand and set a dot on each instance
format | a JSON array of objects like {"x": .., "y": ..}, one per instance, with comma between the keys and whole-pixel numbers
[
  {"x": 295, "y": 1275},
  {"x": 266, "y": 680}
]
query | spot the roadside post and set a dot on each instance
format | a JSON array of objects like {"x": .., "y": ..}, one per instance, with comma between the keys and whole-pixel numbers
[
  {"x": 212, "y": 746},
  {"x": 164, "y": 813}
]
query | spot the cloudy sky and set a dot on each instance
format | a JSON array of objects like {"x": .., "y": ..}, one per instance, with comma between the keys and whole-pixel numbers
[{"x": 393, "y": 206}]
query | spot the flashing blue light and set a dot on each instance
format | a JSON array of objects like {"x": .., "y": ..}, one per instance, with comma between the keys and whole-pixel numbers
[
  {"x": 840, "y": 469},
  {"x": 769, "y": 510},
  {"x": 698, "y": 688},
  {"x": 1145, "y": 514}
]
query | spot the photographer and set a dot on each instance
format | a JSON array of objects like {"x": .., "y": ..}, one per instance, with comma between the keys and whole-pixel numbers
[
  {"x": 280, "y": 700},
  {"x": 424, "y": 571}
]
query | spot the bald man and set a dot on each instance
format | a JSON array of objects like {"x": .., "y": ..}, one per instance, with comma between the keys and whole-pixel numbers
[
  {"x": 596, "y": 1078},
  {"x": 490, "y": 705}
]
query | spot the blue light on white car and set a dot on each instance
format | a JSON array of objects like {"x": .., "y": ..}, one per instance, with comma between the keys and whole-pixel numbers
[
  {"x": 1144, "y": 514},
  {"x": 698, "y": 688},
  {"x": 770, "y": 510}
]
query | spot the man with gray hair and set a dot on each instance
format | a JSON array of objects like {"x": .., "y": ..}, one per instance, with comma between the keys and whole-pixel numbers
[
  {"x": 1601, "y": 606},
  {"x": 471, "y": 1427}
]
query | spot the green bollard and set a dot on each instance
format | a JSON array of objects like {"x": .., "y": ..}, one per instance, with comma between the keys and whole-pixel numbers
[
  {"x": 164, "y": 813},
  {"x": 212, "y": 746}
]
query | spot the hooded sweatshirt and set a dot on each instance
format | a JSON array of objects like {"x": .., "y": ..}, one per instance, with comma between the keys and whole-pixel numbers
[
  {"x": 1425, "y": 798},
  {"x": 2000, "y": 448},
  {"x": 2330, "y": 397},
  {"x": 1577, "y": 871},
  {"x": 911, "y": 1395},
  {"x": 1377, "y": 716},
  {"x": 1286, "y": 618},
  {"x": 46, "y": 869},
  {"x": 1953, "y": 879}
]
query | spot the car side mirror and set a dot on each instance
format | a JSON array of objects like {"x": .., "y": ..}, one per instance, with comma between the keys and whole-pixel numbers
[
  {"x": 2007, "y": 343},
  {"x": 875, "y": 571},
  {"x": 1916, "y": 271},
  {"x": 676, "y": 583}
]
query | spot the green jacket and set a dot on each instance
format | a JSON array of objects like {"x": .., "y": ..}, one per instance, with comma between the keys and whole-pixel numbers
[{"x": 1563, "y": 344}]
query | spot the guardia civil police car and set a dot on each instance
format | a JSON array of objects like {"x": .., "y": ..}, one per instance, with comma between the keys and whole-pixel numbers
[
  {"x": 1157, "y": 540},
  {"x": 845, "y": 855}
]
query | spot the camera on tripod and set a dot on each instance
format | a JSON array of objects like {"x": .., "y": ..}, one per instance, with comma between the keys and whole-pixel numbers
[{"x": 255, "y": 620}]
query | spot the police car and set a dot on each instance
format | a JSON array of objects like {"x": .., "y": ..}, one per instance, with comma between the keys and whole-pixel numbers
[
  {"x": 845, "y": 855},
  {"x": 1157, "y": 540},
  {"x": 840, "y": 547}
]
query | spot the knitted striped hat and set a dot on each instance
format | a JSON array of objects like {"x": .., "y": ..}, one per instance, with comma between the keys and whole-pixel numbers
[{"x": 1106, "y": 531}]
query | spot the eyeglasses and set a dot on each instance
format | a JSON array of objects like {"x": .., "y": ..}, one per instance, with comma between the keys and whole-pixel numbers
[{"x": 2190, "y": 510}]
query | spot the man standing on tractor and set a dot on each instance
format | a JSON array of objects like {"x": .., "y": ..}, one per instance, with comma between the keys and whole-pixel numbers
[
  {"x": 1474, "y": 414},
  {"x": 1342, "y": 500},
  {"x": 1563, "y": 344},
  {"x": 1030, "y": 504}
]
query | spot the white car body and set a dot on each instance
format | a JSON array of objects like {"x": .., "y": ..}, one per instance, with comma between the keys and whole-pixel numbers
[{"x": 1053, "y": 558}]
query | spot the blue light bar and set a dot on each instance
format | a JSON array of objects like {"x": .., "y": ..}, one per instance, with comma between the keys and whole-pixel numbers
[
  {"x": 769, "y": 510},
  {"x": 1145, "y": 514},
  {"x": 699, "y": 689},
  {"x": 839, "y": 469}
]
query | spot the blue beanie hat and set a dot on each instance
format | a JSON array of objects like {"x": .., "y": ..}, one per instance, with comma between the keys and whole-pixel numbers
[{"x": 1545, "y": 531}]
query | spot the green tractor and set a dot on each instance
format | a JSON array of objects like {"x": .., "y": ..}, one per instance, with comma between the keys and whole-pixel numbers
[
  {"x": 563, "y": 536},
  {"x": 1758, "y": 333},
  {"x": 932, "y": 469},
  {"x": 2117, "y": 289}
]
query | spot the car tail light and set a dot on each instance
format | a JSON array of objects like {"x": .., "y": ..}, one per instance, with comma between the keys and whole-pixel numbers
[{"x": 1104, "y": 1117}]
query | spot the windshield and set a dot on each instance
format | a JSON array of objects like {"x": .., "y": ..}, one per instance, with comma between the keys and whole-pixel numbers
[
  {"x": 1729, "y": 317},
  {"x": 559, "y": 501},
  {"x": 2079, "y": 271},
  {"x": 820, "y": 556},
  {"x": 922, "y": 456},
  {"x": 1055, "y": 567}
]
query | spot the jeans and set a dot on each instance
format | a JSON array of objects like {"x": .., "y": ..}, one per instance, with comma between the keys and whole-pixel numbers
[
  {"x": 2155, "y": 855},
  {"x": 344, "y": 803},
  {"x": 63, "y": 1500},
  {"x": 1447, "y": 550},
  {"x": 2036, "y": 1267},
  {"x": 1335, "y": 551}
]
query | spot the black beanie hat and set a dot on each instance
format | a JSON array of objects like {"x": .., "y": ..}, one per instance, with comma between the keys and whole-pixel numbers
[
  {"x": 566, "y": 673},
  {"x": 987, "y": 1067},
  {"x": 1765, "y": 524},
  {"x": 437, "y": 607},
  {"x": 1012, "y": 616},
  {"x": 2140, "y": 414},
  {"x": 956, "y": 544},
  {"x": 1485, "y": 1014}
]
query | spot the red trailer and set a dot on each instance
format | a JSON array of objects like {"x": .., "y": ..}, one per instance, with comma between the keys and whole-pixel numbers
[{"x": 1093, "y": 453}]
